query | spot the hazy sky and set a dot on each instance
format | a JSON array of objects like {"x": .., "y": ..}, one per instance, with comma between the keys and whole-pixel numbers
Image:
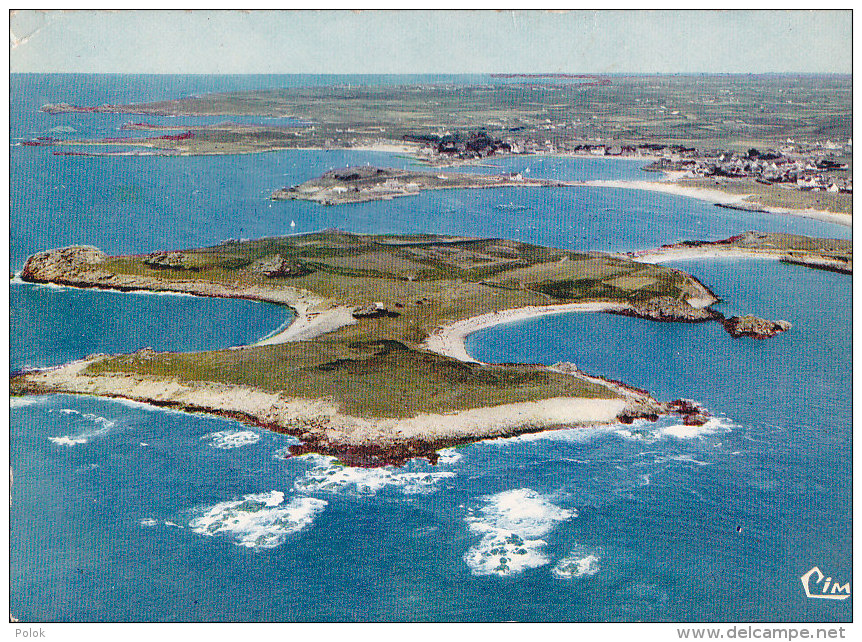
[{"x": 430, "y": 41}]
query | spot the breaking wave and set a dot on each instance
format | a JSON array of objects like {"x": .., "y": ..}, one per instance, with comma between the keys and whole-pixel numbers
[
  {"x": 258, "y": 521},
  {"x": 17, "y": 280},
  {"x": 23, "y": 402},
  {"x": 579, "y": 434},
  {"x": 511, "y": 524},
  {"x": 679, "y": 431},
  {"x": 225, "y": 439},
  {"x": 448, "y": 456},
  {"x": 100, "y": 426},
  {"x": 331, "y": 478},
  {"x": 578, "y": 563}
]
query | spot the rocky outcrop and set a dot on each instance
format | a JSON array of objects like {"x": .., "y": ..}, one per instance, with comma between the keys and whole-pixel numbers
[
  {"x": 639, "y": 403},
  {"x": 665, "y": 308},
  {"x": 169, "y": 260},
  {"x": 372, "y": 311},
  {"x": 752, "y": 326},
  {"x": 79, "y": 266},
  {"x": 57, "y": 265},
  {"x": 276, "y": 266},
  {"x": 693, "y": 414}
]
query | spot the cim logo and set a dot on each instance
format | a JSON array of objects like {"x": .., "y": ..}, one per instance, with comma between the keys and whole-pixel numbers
[{"x": 819, "y": 587}]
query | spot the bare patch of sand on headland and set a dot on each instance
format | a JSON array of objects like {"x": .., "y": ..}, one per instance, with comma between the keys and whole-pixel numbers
[{"x": 670, "y": 186}]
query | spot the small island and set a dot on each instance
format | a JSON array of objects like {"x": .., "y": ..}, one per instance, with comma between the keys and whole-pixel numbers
[
  {"x": 373, "y": 370},
  {"x": 367, "y": 183}
]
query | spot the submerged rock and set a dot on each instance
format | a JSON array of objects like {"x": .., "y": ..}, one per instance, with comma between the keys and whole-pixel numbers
[{"x": 752, "y": 326}]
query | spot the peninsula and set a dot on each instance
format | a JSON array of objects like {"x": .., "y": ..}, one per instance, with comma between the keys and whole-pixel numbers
[
  {"x": 364, "y": 372},
  {"x": 835, "y": 255},
  {"x": 373, "y": 369},
  {"x": 366, "y": 183}
]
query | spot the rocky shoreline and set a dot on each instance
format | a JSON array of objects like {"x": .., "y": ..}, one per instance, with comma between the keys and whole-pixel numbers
[
  {"x": 320, "y": 423},
  {"x": 835, "y": 255}
]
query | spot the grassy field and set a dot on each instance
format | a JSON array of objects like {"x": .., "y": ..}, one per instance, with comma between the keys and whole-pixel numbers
[
  {"x": 705, "y": 111},
  {"x": 377, "y": 366},
  {"x": 370, "y": 379},
  {"x": 777, "y": 196}
]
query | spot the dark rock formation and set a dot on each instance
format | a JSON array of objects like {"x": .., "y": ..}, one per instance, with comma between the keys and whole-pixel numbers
[
  {"x": 665, "y": 308},
  {"x": 55, "y": 265},
  {"x": 752, "y": 326},
  {"x": 372, "y": 311},
  {"x": 169, "y": 260},
  {"x": 693, "y": 414},
  {"x": 275, "y": 266}
]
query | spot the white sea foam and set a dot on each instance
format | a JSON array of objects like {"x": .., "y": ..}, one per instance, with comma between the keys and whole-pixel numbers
[
  {"x": 511, "y": 524},
  {"x": 679, "y": 431},
  {"x": 576, "y": 564},
  {"x": 140, "y": 405},
  {"x": 258, "y": 521},
  {"x": 17, "y": 280},
  {"x": 225, "y": 439},
  {"x": 100, "y": 426},
  {"x": 448, "y": 456},
  {"x": 579, "y": 434},
  {"x": 23, "y": 402},
  {"x": 331, "y": 478},
  {"x": 689, "y": 459},
  {"x": 149, "y": 521},
  {"x": 312, "y": 458}
]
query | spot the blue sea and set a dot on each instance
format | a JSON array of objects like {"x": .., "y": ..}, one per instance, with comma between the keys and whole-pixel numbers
[{"x": 126, "y": 512}]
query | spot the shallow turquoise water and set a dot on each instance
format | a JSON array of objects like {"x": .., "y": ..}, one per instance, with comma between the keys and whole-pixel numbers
[{"x": 132, "y": 506}]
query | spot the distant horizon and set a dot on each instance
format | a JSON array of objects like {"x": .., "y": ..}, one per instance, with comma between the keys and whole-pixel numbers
[
  {"x": 537, "y": 73},
  {"x": 390, "y": 42}
]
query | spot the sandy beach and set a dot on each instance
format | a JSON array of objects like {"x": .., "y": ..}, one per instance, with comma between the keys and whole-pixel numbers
[
  {"x": 664, "y": 255},
  {"x": 319, "y": 421},
  {"x": 670, "y": 186},
  {"x": 310, "y": 324},
  {"x": 448, "y": 340}
]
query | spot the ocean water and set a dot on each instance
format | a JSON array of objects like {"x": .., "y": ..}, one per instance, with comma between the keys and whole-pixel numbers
[
  {"x": 159, "y": 515},
  {"x": 69, "y": 323}
]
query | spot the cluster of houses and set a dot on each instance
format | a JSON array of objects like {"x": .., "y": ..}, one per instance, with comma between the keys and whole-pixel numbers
[
  {"x": 808, "y": 167},
  {"x": 807, "y": 170}
]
